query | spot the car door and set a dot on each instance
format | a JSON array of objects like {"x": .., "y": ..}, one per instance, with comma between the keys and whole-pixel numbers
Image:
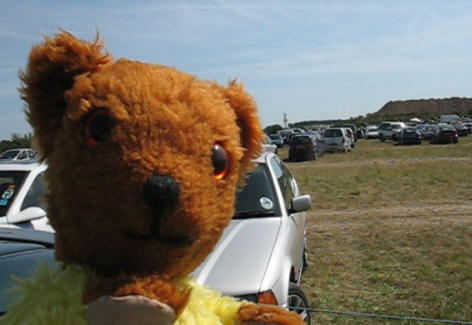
[{"x": 295, "y": 222}]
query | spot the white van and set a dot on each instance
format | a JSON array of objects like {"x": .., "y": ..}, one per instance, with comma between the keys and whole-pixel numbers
[{"x": 337, "y": 139}]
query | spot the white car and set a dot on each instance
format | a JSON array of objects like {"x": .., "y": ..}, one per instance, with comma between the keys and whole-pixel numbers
[
  {"x": 18, "y": 154},
  {"x": 262, "y": 252},
  {"x": 21, "y": 188},
  {"x": 371, "y": 132},
  {"x": 390, "y": 130},
  {"x": 337, "y": 139}
]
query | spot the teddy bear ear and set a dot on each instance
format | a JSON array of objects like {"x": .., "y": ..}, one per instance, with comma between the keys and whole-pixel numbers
[
  {"x": 50, "y": 72},
  {"x": 251, "y": 132}
]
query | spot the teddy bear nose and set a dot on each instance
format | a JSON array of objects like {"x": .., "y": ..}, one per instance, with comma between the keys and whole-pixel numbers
[{"x": 161, "y": 191}]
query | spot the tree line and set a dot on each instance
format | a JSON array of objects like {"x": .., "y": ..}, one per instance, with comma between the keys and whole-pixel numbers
[{"x": 16, "y": 141}]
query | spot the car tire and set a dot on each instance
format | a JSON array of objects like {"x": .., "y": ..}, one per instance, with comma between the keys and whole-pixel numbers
[{"x": 297, "y": 299}]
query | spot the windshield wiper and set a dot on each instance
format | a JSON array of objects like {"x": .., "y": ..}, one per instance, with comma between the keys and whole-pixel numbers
[{"x": 253, "y": 214}]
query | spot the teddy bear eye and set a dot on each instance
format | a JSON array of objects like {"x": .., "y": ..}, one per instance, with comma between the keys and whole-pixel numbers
[
  {"x": 98, "y": 126},
  {"x": 220, "y": 161}
]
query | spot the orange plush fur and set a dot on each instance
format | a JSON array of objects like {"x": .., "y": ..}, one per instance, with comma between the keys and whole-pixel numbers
[{"x": 163, "y": 122}]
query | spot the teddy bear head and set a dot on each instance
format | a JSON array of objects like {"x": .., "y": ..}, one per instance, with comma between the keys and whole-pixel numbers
[{"x": 143, "y": 160}]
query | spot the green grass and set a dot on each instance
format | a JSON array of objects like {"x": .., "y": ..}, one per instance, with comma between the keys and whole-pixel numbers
[{"x": 390, "y": 231}]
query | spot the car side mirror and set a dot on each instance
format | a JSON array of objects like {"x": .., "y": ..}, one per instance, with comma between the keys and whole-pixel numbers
[
  {"x": 301, "y": 203},
  {"x": 27, "y": 214}
]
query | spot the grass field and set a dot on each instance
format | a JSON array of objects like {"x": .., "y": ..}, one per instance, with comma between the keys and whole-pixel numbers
[{"x": 390, "y": 231}]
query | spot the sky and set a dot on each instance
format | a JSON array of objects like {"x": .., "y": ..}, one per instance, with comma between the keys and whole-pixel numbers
[{"x": 312, "y": 60}]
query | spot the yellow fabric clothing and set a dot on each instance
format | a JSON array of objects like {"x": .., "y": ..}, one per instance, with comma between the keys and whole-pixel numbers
[{"x": 53, "y": 297}]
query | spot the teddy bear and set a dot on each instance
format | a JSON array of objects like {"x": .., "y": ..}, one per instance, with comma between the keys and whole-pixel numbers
[{"x": 143, "y": 165}]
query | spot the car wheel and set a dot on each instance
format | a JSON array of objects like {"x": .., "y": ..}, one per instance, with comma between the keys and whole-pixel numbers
[{"x": 298, "y": 302}]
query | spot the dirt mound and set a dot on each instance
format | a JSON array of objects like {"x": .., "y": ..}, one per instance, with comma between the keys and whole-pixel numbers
[{"x": 454, "y": 105}]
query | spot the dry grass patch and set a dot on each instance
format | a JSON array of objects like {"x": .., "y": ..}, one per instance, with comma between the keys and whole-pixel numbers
[{"x": 390, "y": 231}]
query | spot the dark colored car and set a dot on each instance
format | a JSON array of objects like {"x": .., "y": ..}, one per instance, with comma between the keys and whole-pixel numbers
[
  {"x": 427, "y": 131},
  {"x": 277, "y": 140},
  {"x": 461, "y": 129},
  {"x": 21, "y": 250},
  {"x": 468, "y": 125},
  {"x": 306, "y": 146},
  {"x": 445, "y": 133},
  {"x": 409, "y": 135}
]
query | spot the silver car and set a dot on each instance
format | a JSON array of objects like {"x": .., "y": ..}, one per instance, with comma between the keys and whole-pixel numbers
[
  {"x": 260, "y": 256},
  {"x": 262, "y": 253},
  {"x": 18, "y": 154}
]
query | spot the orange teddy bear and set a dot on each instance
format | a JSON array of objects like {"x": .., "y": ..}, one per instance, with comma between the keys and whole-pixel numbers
[{"x": 144, "y": 162}]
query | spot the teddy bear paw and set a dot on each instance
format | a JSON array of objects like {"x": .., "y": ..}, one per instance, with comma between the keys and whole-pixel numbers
[{"x": 125, "y": 310}]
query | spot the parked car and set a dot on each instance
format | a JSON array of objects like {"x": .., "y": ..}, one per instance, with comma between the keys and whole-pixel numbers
[
  {"x": 461, "y": 129},
  {"x": 354, "y": 129},
  {"x": 306, "y": 146},
  {"x": 261, "y": 254},
  {"x": 337, "y": 139},
  {"x": 351, "y": 135},
  {"x": 21, "y": 188},
  {"x": 268, "y": 146},
  {"x": 449, "y": 118},
  {"x": 468, "y": 125},
  {"x": 20, "y": 251},
  {"x": 445, "y": 133},
  {"x": 427, "y": 131},
  {"x": 371, "y": 132},
  {"x": 410, "y": 135},
  {"x": 18, "y": 154},
  {"x": 277, "y": 140},
  {"x": 390, "y": 130},
  {"x": 286, "y": 133}
]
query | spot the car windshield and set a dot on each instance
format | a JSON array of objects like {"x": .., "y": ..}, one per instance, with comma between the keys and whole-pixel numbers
[
  {"x": 257, "y": 197},
  {"x": 35, "y": 193},
  {"x": 333, "y": 133},
  {"x": 10, "y": 154},
  {"x": 10, "y": 184}
]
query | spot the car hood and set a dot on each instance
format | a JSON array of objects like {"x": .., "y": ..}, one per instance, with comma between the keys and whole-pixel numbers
[
  {"x": 239, "y": 261},
  {"x": 19, "y": 259}
]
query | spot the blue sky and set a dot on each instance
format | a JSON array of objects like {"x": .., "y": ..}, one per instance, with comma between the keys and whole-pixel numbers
[{"x": 309, "y": 59}]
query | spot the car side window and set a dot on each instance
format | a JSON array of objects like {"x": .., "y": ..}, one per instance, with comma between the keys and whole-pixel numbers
[
  {"x": 285, "y": 182},
  {"x": 35, "y": 193},
  {"x": 24, "y": 155}
]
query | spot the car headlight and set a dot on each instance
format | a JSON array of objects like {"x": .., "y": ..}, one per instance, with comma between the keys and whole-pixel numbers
[{"x": 266, "y": 297}]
